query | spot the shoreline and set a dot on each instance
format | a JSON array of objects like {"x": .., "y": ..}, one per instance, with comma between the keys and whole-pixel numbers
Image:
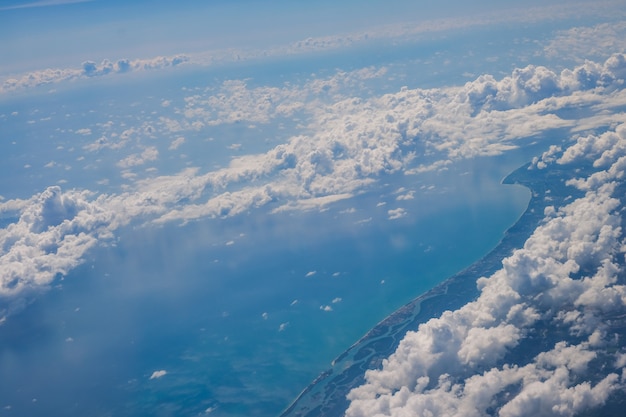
[{"x": 326, "y": 395}]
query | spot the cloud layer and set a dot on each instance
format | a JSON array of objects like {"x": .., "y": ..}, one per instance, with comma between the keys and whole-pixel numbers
[
  {"x": 89, "y": 69},
  {"x": 577, "y": 42},
  {"x": 347, "y": 145}
]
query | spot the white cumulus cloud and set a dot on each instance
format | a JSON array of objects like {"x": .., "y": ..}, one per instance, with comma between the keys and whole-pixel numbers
[
  {"x": 89, "y": 69},
  {"x": 347, "y": 146},
  {"x": 158, "y": 374},
  {"x": 397, "y": 213},
  {"x": 565, "y": 276}
]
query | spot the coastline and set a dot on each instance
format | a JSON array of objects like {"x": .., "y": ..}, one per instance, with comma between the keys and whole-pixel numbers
[{"x": 326, "y": 395}]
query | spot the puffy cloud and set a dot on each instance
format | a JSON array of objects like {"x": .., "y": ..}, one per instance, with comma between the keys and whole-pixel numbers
[
  {"x": 602, "y": 150},
  {"x": 346, "y": 146},
  {"x": 83, "y": 131},
  {"x": 89, "y": 69},
  {"x": 176, "y": 143},
  {"x": 53, "y": 232},
  {"x": 118, "y": 140},
  {"x": 397, "y": 213},
  {"x": 158, "y": 374},
  {"x": 541, "y": 387},
  {"x": 235, "y": 102},
  {"x": 54, "y": 229},
  {"x": 459, "y": 363},
  {"x": 312, "y": 203},
  {"x": 535, "y": 83},
  {"x": 353, "y": 138},
  {"x": 600, "y": 38},
  {"x": 564, "y": 277},
  {"x": 408, "y": 196},
  {"x": 149, "y": 154}
]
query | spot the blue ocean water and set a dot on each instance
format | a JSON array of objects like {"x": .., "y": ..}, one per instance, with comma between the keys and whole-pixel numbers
[
  {"x": 240, "y": 314},
  {"x": 234, "y": 311}
]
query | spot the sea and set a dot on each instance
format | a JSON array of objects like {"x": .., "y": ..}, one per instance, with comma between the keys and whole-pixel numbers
[
  {"x": 225, "y": 317},
  {"x": 235, "y": 317}
]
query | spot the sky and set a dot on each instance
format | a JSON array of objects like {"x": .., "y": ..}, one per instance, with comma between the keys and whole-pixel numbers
[
  {"x": 219, "y": 125},
  {"x": 56, "y": 33}
]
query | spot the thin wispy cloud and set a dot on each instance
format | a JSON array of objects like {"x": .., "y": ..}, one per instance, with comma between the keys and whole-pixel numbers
[{"x": 42, "y": 3}]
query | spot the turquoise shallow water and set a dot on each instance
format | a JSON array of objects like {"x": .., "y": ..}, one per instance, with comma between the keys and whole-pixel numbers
[
  {"x": 326, "y": 395},
  {"x": 234, "y": 311}
]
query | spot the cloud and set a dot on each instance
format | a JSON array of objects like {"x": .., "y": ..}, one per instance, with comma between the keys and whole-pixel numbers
[
  {"x": 408, "y": 196},
  {"x": 312, "y": 203},
  {"x": 89, "y": 69},
  {"x": 158, "y": 374},
  {"x": 484, "y": 117},
  {"x": 55, "y": 228},
  {"x": 43, "y": 3},
  {"x": 113, "y": 140},
  {"x": 83, "y": 132},
  {"x": 602, "y": 150},
  {"x": 397, "y": 33},
  {"x": 397, "y": 213},
  {"x": 348, "y": 144},
  {"x": 53, "y": 232},
  {"x": 564, "y": 277},
  {"x": 149, "y": 154},
  {"x": 176, "y": 143},
  {"x": 590, "y": 42},
  {"x": 407, "y": 32}
]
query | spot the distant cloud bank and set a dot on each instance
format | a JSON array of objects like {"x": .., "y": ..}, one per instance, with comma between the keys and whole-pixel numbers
[
  {"x": 89, "y": 69},
  {"x": 591, "y": 42}
]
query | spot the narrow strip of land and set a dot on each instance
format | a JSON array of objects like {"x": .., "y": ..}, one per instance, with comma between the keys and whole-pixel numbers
[{"x": 326, "y": 395}]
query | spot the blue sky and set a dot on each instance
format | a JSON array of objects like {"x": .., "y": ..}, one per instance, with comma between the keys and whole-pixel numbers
[{"x": 58, "y": 34}]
